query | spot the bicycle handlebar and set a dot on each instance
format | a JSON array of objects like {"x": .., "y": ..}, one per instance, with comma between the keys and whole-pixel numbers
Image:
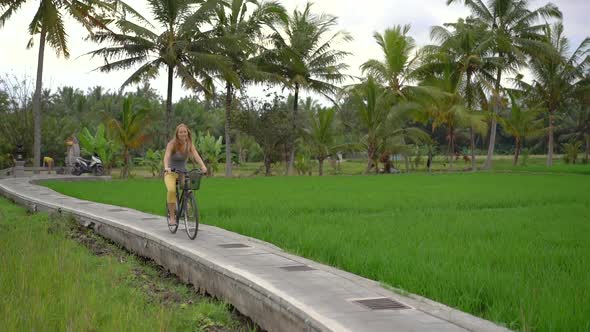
[{"x": 185, "y": 172}]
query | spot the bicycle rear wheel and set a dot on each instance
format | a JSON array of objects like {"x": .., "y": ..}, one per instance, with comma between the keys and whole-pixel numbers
[
  {"x": 191, "y": 215},
  {"x": 172, "y": 228}
]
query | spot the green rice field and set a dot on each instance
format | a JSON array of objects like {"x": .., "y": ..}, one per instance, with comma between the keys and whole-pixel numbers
[{"x": 509, "y": 247}]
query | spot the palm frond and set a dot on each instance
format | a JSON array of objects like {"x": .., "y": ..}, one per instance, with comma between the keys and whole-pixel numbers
[{"x": 9, "y": 7}]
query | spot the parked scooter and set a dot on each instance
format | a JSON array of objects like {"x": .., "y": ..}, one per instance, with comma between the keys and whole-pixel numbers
[{"x": 94, "y": 166}]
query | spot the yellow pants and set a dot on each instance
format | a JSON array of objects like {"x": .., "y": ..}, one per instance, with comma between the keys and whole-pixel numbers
[{"x": 170, "y": 181}]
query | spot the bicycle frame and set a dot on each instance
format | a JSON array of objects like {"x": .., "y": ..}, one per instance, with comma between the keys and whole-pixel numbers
[
  {"x": 186, "y": 204},
  {"x": 181, "y": 197}
]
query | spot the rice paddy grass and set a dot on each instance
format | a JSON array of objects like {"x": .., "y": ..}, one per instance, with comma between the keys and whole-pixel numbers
[
  {"x": 50, "y": 282},
  {"x": 508, "y": 247}
]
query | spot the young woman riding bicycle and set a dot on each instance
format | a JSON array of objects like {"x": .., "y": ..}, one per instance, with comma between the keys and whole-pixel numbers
[{"x": 177, "y": 153}]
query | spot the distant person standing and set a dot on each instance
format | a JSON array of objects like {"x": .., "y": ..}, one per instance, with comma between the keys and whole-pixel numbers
[
  {"x": 73, "y": 152},
  {"x": 48, "y": 162}
]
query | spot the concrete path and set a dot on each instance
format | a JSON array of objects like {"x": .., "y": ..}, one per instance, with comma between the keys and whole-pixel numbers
[{"x": 279, "y": 291}]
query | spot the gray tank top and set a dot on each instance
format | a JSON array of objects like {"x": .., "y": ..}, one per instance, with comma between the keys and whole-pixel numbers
[{"x": 178, "y": 160}]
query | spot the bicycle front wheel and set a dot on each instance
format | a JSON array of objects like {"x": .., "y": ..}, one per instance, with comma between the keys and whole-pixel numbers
[
  {"x": 191, "y": 216},
  {"x": 171, "y": 227}
]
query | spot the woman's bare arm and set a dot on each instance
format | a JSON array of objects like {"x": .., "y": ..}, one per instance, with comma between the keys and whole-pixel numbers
[{"x": 167, "y": 156}]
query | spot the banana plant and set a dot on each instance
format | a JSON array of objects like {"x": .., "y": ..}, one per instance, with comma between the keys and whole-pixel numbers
[{"x": 101, "y": 144}]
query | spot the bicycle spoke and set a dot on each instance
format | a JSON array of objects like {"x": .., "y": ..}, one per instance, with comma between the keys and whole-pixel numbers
[{"x": 191, "y": 216}]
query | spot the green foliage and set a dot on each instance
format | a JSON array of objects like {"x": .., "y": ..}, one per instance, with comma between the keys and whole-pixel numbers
[
  {"x": 521, "y": 123},
  {"x": 210, "y": 150},
  {"x": 373, "y": 104},
  {"x": 101, "y": 144},
  {"x": 384, "y": 124},
  {"x": 187, "y": 48},
  {"x": 200, "y": 116},
  {"x": 558, "y": 76},
  {"x": 153, "y": 160},
  {"x": 417, "y": 152},
  {"x": 247, "y": 149},
  {"x": 303, "y": 164},
  {"x": 107, "y": 291},
  {"x": 55, "y": 132},
  {"x": 16, "y": 117},
  {"x": 525, "y": 156},
  {"x": 320, "y": 134},
  {"x": 571, "y": 151},
  {"x": 268, "y": 122},
  {"x": 304, "y": 55},
  {"x": 395, "y": 70},
  {"x": 129, "y": 131}
]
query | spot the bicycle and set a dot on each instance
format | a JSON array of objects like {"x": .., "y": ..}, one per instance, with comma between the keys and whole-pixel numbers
[{"x": 186, "y": 203}]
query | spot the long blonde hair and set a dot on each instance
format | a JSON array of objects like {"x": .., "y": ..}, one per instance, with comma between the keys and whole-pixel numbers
[{"x": 177, "y": 144}]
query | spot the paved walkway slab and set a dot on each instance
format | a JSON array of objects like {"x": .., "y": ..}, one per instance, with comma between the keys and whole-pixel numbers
[{"x": 279, "y": 291}]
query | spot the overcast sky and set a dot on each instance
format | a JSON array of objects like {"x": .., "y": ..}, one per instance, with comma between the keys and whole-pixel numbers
[{"x": 360, "y": 18}]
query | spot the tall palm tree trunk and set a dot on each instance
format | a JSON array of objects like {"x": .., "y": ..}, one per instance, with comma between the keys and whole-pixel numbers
[
  {"x": 471, "y": 133},
  {"x": 516, "y": 151},
  {"x": 472, "y": 147},
  {"x": 321, "y": 167},
  {"x": 169, "y": 102},
  {"x": 228, "y": 100},
  {"x": 369, "y": 165},
  {"x": 267, "y": 165},
  {"x": 587, "y": 147},
  {"x": 371, "y": 152},
  {"x": 492, "y": 143},
  {"x": 292, "y": 147},
  {"x": 451, "y": 147},
  {"x": 37, "y": 101},
  {"x": 406, "y": 159},
  {"x": 125, "y": 170},
  {"x": 429, "y": 162},
  {"x": 494, "y": 125},
  {"x": 550, "y": 143}
]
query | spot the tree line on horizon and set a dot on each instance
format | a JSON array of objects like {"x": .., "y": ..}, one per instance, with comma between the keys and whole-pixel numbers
[{"x": 448, "y": 96}]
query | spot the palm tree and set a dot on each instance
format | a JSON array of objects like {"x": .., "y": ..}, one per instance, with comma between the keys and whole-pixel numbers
[
  {"x": 320, "y": 135},
  {"x": 397, "y": 69},
  {"x": 382, "y": 122},
  {"x": 467, "y": 47},
  {"x": 521, "y": 123},
  {"x": 182, "y": 47},
  {"x": 304, "y": 57},
  {"x": 442, "y": 102},
  {"x": 576, "y": 124},
  {"x": 241, "y": 29},
  {"x": 400, "y": 59},
  {"x": 557, "y": 77},
  {"x": 48, "y": 23},
  {"x": 129, "y": 131},
  {"x": 515, "y": 33},
  {"x": 373, "y": 103}
]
